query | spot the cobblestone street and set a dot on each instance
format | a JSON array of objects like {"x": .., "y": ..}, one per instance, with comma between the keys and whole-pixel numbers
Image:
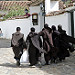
[
  {"x": 4, "y": 43},
  {"x": 8, "y": 64}
]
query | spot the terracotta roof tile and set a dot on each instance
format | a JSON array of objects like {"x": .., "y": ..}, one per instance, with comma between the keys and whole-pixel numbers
[
  {"x": 56, "y": 13},
  {"x": 36, "y": 2},
  {"x": 8, "y": 4}
]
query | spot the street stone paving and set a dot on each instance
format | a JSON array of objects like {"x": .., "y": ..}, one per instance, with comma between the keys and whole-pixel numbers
[
  {"x": 5, "y": 43},
  {"x": 8, "y": 64}
]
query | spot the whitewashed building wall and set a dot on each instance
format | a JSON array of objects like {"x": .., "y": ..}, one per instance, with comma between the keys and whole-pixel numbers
[
  {"x": 9, "y": 26},
  {"x": 35, "y": 9},
  {"x": 63, "y": 19},
  {"x": 74, "y": 23},
  {"x": 51, "y": 6}
]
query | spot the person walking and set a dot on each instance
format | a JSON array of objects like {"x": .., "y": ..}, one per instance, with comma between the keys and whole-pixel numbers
[
  {"x": 64, "y": 44},
  {"x": 46, "y": 34},
  {"x": 56, "y": 39},
  {"x": 18, "y": 44},
  {"x": 35, "y": 44}
]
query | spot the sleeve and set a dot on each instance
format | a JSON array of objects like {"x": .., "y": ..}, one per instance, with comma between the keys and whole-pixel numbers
[
  {"x": 51, "y": 40},
  {"x": 40, "y": 33},
  {"x": 24, "y": 45},
  {"x": 40, "y": 41}
]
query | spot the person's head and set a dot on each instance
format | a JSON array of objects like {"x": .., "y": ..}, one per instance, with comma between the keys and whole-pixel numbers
[
  {"x": 32, "y": 29},
  {"x": 0, "y": 28},
  {"x": 59, "y": 26},
  {"x": 46, "y": 26},
  {"x": 18, "y": 29},
  {"x": 53, "y": 27},
  {"x": 49, "y": 29}
]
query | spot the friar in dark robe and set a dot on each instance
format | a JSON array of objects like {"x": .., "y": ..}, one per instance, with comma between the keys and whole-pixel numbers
[
  {"x": 69, "y": 40},
  {"x": 47, "y": 42},
  {"x": 64, "y": 44},
  {"x": 56, "y": 39},
  {"x": 35, "y": 44},
  {"x": 18, "y": 44},
  {"x": 55, "y": 36}
]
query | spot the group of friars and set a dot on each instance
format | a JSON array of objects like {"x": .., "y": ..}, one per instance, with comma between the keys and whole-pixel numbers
[{"x": 55, "y": 44}]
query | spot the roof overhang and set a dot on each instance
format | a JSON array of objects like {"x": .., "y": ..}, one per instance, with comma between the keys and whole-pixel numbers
[
  {"x": 70, "y": 9},
  {"x": 54, "y": 0},
  {"x": 37, "y": 2}
]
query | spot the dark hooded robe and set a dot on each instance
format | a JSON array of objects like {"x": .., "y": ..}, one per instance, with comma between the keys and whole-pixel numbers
[
  {"x": 64, "y": 45},
  {"x": 47, "y": 43},
  {"x": 34, "y": 49},
  {"x": 55, "y": 37},
  {"x": 18, "y": 44},
  {"x": 69, "y": 40}
]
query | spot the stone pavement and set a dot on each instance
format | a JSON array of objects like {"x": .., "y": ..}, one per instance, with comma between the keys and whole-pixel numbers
[
  {"x": 8, "y": 66},
  {"x": 4, "y": 43}
]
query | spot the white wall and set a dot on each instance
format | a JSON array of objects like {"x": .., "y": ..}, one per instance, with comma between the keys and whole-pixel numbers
[
  {"x": 35, "y": 9},
  {"x": 74, "y": 24},
  {"x": 60, "y": 19},
  {"x": 47, "y": 6},
  {"x": 51, "y": 6},
  {"x": 54, "y": 6},
  {"x": 9, "y": 26}
]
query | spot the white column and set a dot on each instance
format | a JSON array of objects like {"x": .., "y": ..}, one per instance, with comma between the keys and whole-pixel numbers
[
  {"x": 47, "y": 6},
  {"x": 74, "y": 24}
]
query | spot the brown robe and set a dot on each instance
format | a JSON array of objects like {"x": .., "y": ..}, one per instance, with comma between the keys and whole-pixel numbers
[
  {"x": 17, "y": 42},
  {"x": 34, "y": 47},
  {"x": 47, "y": 43}
]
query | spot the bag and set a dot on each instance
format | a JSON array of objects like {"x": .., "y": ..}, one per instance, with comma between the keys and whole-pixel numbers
[{"x": 25, "y": 57}]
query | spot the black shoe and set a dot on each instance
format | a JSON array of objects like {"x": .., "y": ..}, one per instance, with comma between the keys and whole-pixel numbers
[
  {"x": 18, "y": 63},
  {"x": 30, "y": 65},
  {"x": 60, "y": 60},
  {"x": 46, "y": 64}
]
